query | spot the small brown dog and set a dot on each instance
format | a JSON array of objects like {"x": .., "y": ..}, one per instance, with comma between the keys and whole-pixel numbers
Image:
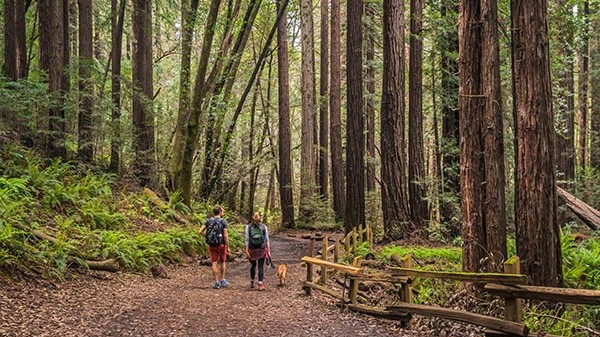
[{"x": 282, "y": 273}]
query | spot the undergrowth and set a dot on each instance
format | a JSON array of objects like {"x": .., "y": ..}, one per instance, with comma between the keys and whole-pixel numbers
[
  {"x": 581, "y": 269},
  {"x": 54, "y": 216}
]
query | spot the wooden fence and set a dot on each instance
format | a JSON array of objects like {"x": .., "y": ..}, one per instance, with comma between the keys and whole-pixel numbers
[{"x": 510, "y": 285}]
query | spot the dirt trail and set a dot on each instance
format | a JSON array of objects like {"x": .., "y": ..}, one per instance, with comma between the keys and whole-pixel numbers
[{"x": 184, "y": 305}]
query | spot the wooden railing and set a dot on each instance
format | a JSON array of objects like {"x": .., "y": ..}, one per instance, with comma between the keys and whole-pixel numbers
[{"x": 510, "y": 285}]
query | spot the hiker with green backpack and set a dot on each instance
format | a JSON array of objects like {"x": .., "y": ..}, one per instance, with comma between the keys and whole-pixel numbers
[{"x": 258, "y": 248}]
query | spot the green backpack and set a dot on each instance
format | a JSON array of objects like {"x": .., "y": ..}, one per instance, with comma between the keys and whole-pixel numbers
[{"x": 257, "y": 237}]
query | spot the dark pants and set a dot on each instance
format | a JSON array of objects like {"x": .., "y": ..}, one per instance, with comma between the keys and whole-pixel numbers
[{"x": 261, "y": 269}]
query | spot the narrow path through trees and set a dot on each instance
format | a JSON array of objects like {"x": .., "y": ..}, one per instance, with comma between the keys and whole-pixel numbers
[{"x": 184, "y": 304}]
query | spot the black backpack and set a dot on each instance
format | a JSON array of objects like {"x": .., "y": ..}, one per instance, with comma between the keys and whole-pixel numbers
[
  {"x": 214, "y": 232},
  {"x": 256, "y": 237}
]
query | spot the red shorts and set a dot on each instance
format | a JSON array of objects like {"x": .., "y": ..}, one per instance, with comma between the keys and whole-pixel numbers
[{"x": 218, "y": 253}]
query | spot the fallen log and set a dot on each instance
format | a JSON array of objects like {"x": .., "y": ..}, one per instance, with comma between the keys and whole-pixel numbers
[
  {"x": 586, "y": 213},
  {"x": 514, "y": 328}
]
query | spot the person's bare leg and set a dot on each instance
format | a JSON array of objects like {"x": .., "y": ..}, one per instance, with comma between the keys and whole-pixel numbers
[
  {"x": 223, "y": 269},
  {"x": 215, "y": 270}
]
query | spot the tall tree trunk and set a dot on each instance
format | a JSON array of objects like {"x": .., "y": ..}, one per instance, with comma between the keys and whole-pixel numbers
[
  {"x": 337, "y": 162},
  {"x": 143, "y": 116},
  {"x": 51, "y": 61},
  {"x": 15, "y": 50},
  {"x": 10, "y": 49},
  {"x": 492, "y": 130},
  {"x": 86, "y": 83},
  {"x": 472, "y": 106},
  {"x": 538, "y": 237},
  {"x": 285, "y": 130},
  {"x": 370, "y": 97},
  {"x": 307, "y": 158},
  {"x": 116, "y": 53},
  {"x": 595, "y": 89},
  {"x": 416, "y": 169},
  {"x": 450, "y": 214},
  {"x": 355, "y": 123},
  {"x": 394, "y": 188},
  {"x": 582, "y": 118},
  {"x": 193, "y": 126},
  {"x": 188, "y": 20},
  {"x": 324, "y": 103},
  {"x": 221, "y": 94}
]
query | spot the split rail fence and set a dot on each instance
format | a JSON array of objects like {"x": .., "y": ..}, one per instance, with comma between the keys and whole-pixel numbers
[{"x": 511, "y": 285}]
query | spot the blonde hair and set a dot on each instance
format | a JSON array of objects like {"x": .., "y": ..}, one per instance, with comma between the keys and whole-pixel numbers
[{"x": 256, "y": 217}]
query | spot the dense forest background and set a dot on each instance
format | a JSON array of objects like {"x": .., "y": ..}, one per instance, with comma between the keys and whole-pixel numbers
[{"x": 429, "y": 119}]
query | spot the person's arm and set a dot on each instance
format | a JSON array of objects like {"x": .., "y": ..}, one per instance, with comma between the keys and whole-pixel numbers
[
  {"x": 202, "y": 230},
  {"x": 226, "y": 237},
  {"x": 268, "y": 241},
  {"x": 247, "y": 240}
]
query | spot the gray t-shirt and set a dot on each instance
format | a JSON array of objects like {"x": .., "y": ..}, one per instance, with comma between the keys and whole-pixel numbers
[{"x": 263, "y": 227}]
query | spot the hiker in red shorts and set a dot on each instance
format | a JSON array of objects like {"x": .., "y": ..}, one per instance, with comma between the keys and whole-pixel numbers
[{"x": 215, "y": 234}]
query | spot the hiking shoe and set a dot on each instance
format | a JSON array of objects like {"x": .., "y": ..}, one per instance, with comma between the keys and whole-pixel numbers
[
  {"x": 252, "y": 284},
  {"x": 261, "y": 286},
  {"x": 217, "y": 285},
  {"x": 224, "y": 283}
]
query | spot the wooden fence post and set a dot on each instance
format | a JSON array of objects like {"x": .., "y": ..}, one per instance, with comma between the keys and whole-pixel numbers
[
  {"x": 407, "y": 296},
  {"x": 336, "y": 251},
  {"x": 309, "y": 266},
  {"x": 513, "y": 307},
  {"x": 354, "y": 281},
  {"x": 347, "y": 242},
  {"x": 360, "y": 233},
  {"x": 354, "y": 238},
  {"x": 323, "y": 279}
]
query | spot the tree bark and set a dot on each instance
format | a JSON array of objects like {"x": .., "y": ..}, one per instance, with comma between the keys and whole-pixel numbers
[
  {"x": 582, "y": 118},
  {"x": 416, "y": 169},
  {"x": 284, "y": 131},
  {"x": 595, "y": 91},
  {"x": 193, "y": 126},
  {"x": 324, "y": 103},
  {"x": 51, "y": 61},
  {"x": 354, "y": 214},
  {"x": 307, "y": 158},
  {"x": 394, "y": 188},
  {"x": 472, "y": 107},
  {"x": 143, "y": 116},
  {"x": 189, "y": 11},
  {"x": 115, "y": 89},
  {"x": 85, "y": 148},
  {"x": 337, "y": 163},
  {"x": 492, "y": 130},
  {"x": 370, "y": 96},
  {"x": 538, "y": 233}
]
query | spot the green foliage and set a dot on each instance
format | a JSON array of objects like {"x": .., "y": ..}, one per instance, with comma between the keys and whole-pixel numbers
[{"x": 85, "y": 218}]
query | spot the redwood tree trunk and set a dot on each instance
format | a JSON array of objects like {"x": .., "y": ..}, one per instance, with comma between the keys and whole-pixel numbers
[
  {"x": 370, "y": 96},
  {"x": 355, "y": 125},
  {"x": 472, "y": 107},
  {"x": 337, "y": 162},
  {"x": 116, "y": 51},
  {"x": 86, "y": 84},
  {"x": 416, "y": 169},
  {"x": 492, "y": 129},
  {"x": 307, "y": 158},
  {"x": 538, "y": 233},
  {"x": 51, "y": 61},
  {"x": 595, "y": 90},
  {"x": 324, "y": 103},
  {"x": 394, "y": 193},
  {"x": 143, "y": 117},
  {"x": 285, "y": 130},
  {"x": 582, "y": 118}
]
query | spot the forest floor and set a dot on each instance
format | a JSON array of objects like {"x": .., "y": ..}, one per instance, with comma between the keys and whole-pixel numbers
[{"x": 184, "y": 304}]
